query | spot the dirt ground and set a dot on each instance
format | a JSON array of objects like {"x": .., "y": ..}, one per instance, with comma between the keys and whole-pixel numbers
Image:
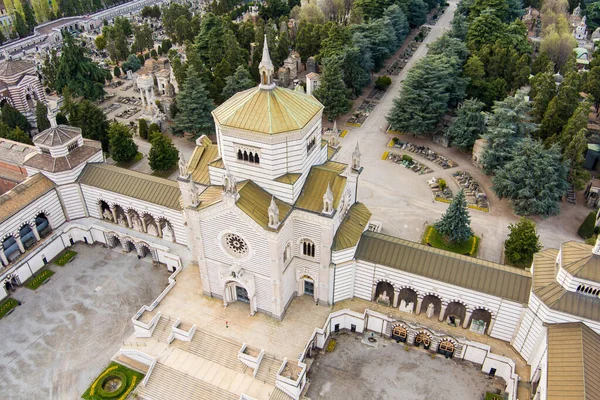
[
  {"x": 355, "y": 371},
  {"x": 64, "y": 334}
]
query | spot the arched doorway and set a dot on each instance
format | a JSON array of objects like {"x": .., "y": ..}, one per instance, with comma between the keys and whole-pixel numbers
[
  {"x": 27, "y": 236},
  {"x": 480, "y": 321},
  {"x": 143, "y": 250},
  {"x": 116, "y": 243},
  {"x": 431, "y": 306},
  {"x": 446, "y": 348},
  {"x": 128, "y": 245},
  {"x": 399, "y": 333},
  {"x": 235, "y": 290},
  {"x": 119, "y": 213},
  {"x": 384, "y": 293},
  {"x": 407, "y": 298},
  {"x": 105, "y": 211},
  {"x": 42, "y": 225},
  {"x": 166, "y": 230},
  {"x": 10, "y": 248},
  {"x": 424, "y": 339},
  {"x": 307, "y": 286},
  {"x": 455, "y": 313}
]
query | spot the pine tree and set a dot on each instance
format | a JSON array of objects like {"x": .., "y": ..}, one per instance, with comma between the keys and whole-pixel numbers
[
  {"x": 92, "y": 121},
  {"x": 16, "y": 134},
  {"x": 468, "y": 126},
  {"x": 163, "y": 154},
  {"x": 194, "y": 106},
  {"x": 239, "y": 81},
  {"x": 332, "y": 92},
  {"x": 543, "y": 90},
  {"x": 456, "y": 222},
  {"x": 561, "y": 107},
  {"x": 117, "y": 71},
  {"x": 574, "y": 156},
  {"x": 143, "y": 128},
  {"x": 522, "y": 243},
  {"x": 41, "y": 116},
  {"x": 121, "y": 144},
  {"x": 535, "y": 179}
]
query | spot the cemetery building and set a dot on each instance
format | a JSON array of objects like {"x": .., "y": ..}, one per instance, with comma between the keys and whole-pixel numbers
[
  {"x": 266, "y": 215},
  {"x": 21, "y": 87}
]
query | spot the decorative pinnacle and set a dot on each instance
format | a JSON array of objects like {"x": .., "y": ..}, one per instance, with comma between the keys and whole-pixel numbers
[{"x": 266, "y": 57}]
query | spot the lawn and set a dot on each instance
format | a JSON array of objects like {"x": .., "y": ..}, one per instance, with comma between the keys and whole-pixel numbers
[
  {"x": 492, "y": 396},
  {"x": 38, "y": 280},
  {"x": 131, "y": 163},
  {"x": 129, "y": 380},
  {"x": 65, "y": 257},
  {"x": 6, "y": 305},
  {"x": 469, "y": 247}
]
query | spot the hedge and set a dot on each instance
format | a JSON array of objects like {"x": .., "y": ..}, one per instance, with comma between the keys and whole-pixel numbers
[
  {"x": 6, "y": 305},
  {"x": 586, "y": 230}
]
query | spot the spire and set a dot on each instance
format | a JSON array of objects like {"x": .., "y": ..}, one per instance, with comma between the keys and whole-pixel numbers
[
  {"x": 328, "y": 200},
  {"x": 356, "y": 158},
  {"x": 266, "y": 68},
  {"x": 273, "y": 214}
]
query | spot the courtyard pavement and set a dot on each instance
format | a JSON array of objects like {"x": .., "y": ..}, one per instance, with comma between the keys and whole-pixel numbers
[
  {"x": 64, "y": 333},
  {"x": 402, "y": 198},
  {"x": 358, "y": 371}
]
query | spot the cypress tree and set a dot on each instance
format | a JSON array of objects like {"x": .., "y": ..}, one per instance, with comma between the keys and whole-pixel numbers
[{"x": 332, "y": 92}]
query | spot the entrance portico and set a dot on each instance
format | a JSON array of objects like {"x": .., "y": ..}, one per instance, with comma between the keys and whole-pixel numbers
[{"x": 239, "y": 287}]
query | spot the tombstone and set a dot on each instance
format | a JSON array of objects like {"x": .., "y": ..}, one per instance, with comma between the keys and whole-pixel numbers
[
  {"x": 129, "y": 74},
  {"x": 430, "y": 310},
  {"x": 284, "y": 77},
  {"x": 384, "y": 299},
  {"x": 311, "y": 65}
]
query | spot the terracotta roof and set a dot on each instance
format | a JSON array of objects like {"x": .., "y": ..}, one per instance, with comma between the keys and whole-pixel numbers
[
  {"x": 56, "y": 135},
  {"x": 455, "y": 269},
  {"x": 311, "y": 197},
  {"x": 152, "y": 189},
  {"x": 10, "y": 68},
  {"x": 573, "y": 362},
  {"x": 577, "y": 258},
  {"x": 45, "y": 162},
  {"x": 350, "y": 230},
  {"x": 268, "y": 111},
  {"x": 255, "y": 201},
  {"x": 23, "y": 194},
  {"x": 203, "y": 155}
]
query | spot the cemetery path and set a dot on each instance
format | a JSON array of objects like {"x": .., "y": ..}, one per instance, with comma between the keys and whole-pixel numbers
[{"x": 401, "y": 199}]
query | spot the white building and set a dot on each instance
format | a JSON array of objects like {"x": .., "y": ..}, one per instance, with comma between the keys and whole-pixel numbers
[{"x": 267, "y": 216}]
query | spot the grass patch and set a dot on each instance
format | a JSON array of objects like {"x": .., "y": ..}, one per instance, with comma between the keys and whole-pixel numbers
[
  {"x": 164, "y": 174},
  {"x": 65, "y": 257},
  {"x": 37, "y": 281},
  {"x": 468, "y": 247},
  {"x": 129, "y": 378},
  {"x": 129, "y": 164},
  {"x": 492, "y": 396},
  {"x": 331, "y": 346},
  {"x": 6, "y": 305}
]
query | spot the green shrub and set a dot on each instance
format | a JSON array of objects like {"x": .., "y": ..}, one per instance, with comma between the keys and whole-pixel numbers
[
  {"x": 129, "y": 377},
  {"x": 111, "y": 395},
  {"x": 65, "y": 257},
  {"x": 383, "y": 82},
  {"x": 37, "y": 281},
  {"x": 586, "y": 230},
  {"x": 406, "y": 157},
  {"x": 442, "y": 184}
]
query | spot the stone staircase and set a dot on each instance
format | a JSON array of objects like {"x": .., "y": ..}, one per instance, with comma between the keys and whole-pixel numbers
[
  {"x": 163, "y": 329},
  {"x": 214, "y": 348},
  {"x": 268, "y": 369},
  {"x": 278, "y": 394},
  {"x": 167, "y": 383}
]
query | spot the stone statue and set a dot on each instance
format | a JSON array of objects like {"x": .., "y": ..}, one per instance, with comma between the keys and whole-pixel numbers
[
  {"x": 152, "y": 230},
  {"x": 384, "y": 298},
  {"x": 122, "y": 221},
  {"x": 182, "y": 166},
  {"x": 167, "y": 233},
  {"x": 430, "y": 310},
  {"x": 193, "y": 193},
  {"x": 137, "y": 224},
  {"x": 107, "y": 215},
  {"x": 406, "y": 307}
]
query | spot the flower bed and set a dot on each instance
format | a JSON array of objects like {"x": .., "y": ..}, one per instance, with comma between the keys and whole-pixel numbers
[
  {"x": 7, "y": 305},
  {"x": 468, "y": 248},
  {"x": 65, "y": 257},
  {"x": 129, "y": 380},
  {"x": 38, "y": 280}
]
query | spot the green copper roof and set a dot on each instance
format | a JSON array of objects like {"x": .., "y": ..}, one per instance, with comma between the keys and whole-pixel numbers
[{"x": 352, "y": 227}]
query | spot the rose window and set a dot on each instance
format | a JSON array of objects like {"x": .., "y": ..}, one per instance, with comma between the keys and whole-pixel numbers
[{"x": 235, "y": 245}]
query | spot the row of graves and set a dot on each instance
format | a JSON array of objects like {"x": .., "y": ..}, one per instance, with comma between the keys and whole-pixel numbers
[
  {"x": 400, "y": 62},
  {"x": 474, "y": 193},
  {"x": 425, "y": 152},
  {"x": 409, "y": 163}
]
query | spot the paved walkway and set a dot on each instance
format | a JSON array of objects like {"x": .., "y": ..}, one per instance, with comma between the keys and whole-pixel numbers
[{"x": 402, "y": 199}]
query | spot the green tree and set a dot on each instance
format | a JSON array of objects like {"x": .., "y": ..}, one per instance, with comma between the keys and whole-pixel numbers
[
  {"x": 592, "y": 85},
  {"x": 143, "y": 128},
  {"x": 535, "y": 179},
  {"x": 78, "y": 72},
  {"x": 13, "y": 118},
  {"x": 459, "y": 27},
  {"x": 574, "y": 156},
  {"x": 486, "y": 29},
  {"x": 561, "y": 107},
  {"x": 332, "y": 92},
  {"x": 142, "y": 38},
  {"x": 543, "y": 90},
  {"x": 20, "y": 26},
  {"x": 121, "y": 144},
  {"x": 194, "y": 106},
  {"x": 153, "y": 128},
  {"x": 166, "y": 45},
  {"x": 239, "y": 81},
  {"x": 117, "y": 71},
  {"x": 41, "y": 116},
  {"x": 455, "y": 224},
  {"x": 416, "y": 13},
  {"x": 522, "y": 243},
  {"x": 163, "y": 154},
  {"x": 92, "y": 121},
  {"x": 468, "y": 126},
  {"x": 29, "y": 16},
  {"x": 100, "y": 42},
  {"x": 586, "y": 229},
  {"x": 132, "y": 64},
  {"x": 16, "y": 134},
  {"x": 170, "y": 15}
]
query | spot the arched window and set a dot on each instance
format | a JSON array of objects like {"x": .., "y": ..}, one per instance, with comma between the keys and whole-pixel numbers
[
  {"x": 256, "y": 159},
  {"x": 251, "y": 157},
  {"x": 245, "y": 156},
  {"x": 240, "y": 155},
  {"x": 308, "y": 248}
]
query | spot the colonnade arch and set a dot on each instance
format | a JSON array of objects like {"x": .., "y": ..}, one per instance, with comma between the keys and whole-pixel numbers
[
  {"x": 384, "y": 293},
  {"x": 128, "y": 244},
  {"x": 24, "y": 237},
  {"x": 141, "y": 221}
]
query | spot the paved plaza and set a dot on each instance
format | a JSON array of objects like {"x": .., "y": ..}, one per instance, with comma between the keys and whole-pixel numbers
[
  {"x": 64, "y": 334},
  {"x": 355, "y": 371}
]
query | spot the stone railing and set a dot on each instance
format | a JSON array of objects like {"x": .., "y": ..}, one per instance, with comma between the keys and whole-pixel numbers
[{"x": 249, "y": 360}]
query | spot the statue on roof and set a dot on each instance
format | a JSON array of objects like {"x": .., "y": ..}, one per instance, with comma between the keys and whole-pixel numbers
[{"x": 183, "y": 172}]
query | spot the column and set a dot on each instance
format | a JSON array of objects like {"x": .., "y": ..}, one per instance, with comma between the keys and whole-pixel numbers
[
  {"x": 113, "y": 209},
  {"x": 467, "y": 318},
  {"x": 3, "y": 257},
  {"x": 442, "y": 312},
  {"x": 148, "y": 97},
  {"x": 396, "y": 297},
  {"x": 489, "y": 328},
  {"x": 20, "y": 244},
  {"x": 419, "y": 303},
  {"x": 373, "y": 292},
  {"x": 142, "y": 96},
  {"x": 144, "y": 228},
  {"x": 128, "y": 219},
  {"x": 158, "y": 228},
  {"x": 35, "y": 232}
]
